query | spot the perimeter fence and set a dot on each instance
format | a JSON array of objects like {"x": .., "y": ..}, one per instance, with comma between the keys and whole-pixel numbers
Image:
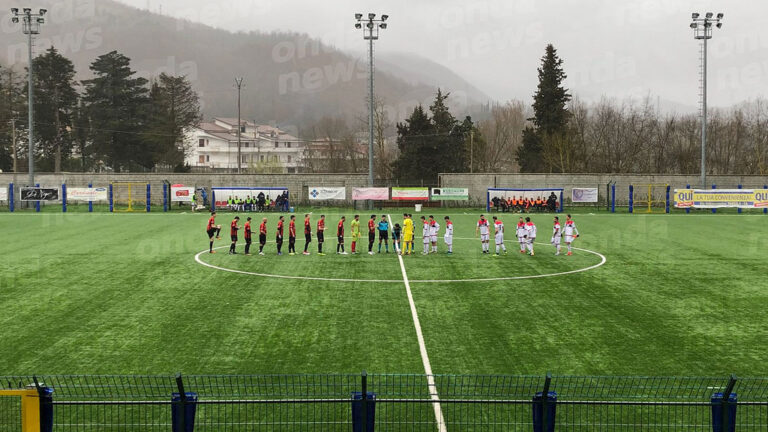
[{"x": 383, "y": 402}]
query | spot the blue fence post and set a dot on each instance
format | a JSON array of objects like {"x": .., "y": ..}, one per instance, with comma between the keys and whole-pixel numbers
[
  {"x": 765, "y": 210},
  {"x": 37, "y": 203},
  {"x": 613, "y": 198},
  {"x": 631, "y": 197},
  {"x": 363, "y": 408},
  {"x": 714, "y": 210},
  {"x": 45, "y": 401},
  {"x": 11, "y": 203},
  {"x": 90, "y": 203},
  {"x": 183, "y": 408},
  {"x": 64, "y": 198},
  {"x": 667, "y": 208},
  {"x": 561, "y": 202},
  {"x": 739, "y": 209},
  {"x": 111, "y": 200},
  {"x": 149, "y": 196},
  {"x": 488, "y": 201},
  {"x": 544, "y": 408},
  {"x": 165, "y": 197},
  {"x": 724, "y": 408},
  {"x": 688, "y": 209}
]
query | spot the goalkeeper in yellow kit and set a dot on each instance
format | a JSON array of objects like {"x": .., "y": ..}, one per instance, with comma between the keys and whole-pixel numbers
[
  {"x": 407, "y": 234},
  {"x": 355, "y": 233}
]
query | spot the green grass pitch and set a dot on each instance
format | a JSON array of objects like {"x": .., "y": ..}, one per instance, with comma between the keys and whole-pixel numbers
[{"x": 122, "y": 293}]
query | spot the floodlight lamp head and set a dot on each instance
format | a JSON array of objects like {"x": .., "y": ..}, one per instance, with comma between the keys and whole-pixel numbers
[
  {"x": 719, "y": 25},
  {"x": 369, "y": 25},
  {"x": 385, "y": 17},
  {"x": 14, "y": 11},
  {"x": 720, "y": 16},
  {"x": 358, "y": 16},
  {"x": 41, "y": 20},
  {"x": 27, "y": 10},
  {"x": 709, "y": 15},
  {"x": 43, "y": 11},
  {"x": 708, "y": 25},
  {"x": 15, "y": 20},
  {"x": 694, "y": 25},
  {"x": 695, "y": 15},
  {"x": 371, "y": 16},
  {"x": 383, "y": 25},
  {"x": 358, "y": 26}
]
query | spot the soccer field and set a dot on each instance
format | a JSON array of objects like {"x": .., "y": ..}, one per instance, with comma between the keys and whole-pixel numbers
[{"x": 123, "y": 293}]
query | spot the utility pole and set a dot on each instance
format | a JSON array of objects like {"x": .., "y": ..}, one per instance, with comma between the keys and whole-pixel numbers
[
  {"x": 702, "y": 28},
  {"x": 13, "y": 146},
  {"x": 370, "y": 33},
  {"x": 239, "y": 84},
  {"x": 30, "y": 26}
]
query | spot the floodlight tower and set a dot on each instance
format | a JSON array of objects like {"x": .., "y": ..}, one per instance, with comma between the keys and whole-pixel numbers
[
  {"x": 30, "y": 27},
  {"x": 370, "y": 27},
  {"x": 702, "y": 30}
]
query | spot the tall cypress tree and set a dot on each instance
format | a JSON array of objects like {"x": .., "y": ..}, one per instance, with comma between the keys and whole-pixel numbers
[
  {"x": 117, "y": 108},
  {"x": 550, "y": 113},
  {"x": 55, "y": 103}
]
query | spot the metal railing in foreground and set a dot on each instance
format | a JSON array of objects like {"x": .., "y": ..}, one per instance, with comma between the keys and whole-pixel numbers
[{"x": 391, "y": 402}]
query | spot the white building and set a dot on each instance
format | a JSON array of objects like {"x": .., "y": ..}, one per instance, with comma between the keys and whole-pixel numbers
[{"x": 212, "y": 146}]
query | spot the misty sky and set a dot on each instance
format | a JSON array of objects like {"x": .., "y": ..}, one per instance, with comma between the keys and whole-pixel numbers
[{"x": 614, "y": 48}]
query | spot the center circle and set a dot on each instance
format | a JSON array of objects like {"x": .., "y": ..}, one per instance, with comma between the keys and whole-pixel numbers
[{"x": 602, "y": 257}]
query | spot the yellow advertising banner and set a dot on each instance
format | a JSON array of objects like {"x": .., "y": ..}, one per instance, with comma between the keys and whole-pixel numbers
[{"x": 719, "y": 198}]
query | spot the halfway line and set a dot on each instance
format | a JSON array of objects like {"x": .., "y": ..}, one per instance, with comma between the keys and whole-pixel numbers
[{"x": 422, "y": 347}]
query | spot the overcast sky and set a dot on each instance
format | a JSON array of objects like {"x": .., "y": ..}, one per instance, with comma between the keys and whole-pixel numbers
[{"x": 615, "y": 48}]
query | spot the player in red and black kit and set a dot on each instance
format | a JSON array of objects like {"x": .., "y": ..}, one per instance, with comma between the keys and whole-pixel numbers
[
  {"x": 320, "y": 235},
  {"x": 213, "y": 230},
  {"x": 340, "y": 236},
  {"x": 371, "y": 234},
  {"x": 292, "y": 236},
  {"x": 279, "y": 237},
  {"x": 247, "y": 230},
  {"x": 262, "y": 235},
  {"x": 233, "y": 227},
  {"x": 307, "y": 234}
]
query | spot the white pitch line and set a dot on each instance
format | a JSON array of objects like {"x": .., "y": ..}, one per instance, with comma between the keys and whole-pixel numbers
[{"x": 422, "y": 346}]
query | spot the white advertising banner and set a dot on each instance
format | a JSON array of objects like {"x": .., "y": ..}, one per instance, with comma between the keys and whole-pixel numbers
[
  {"x": 584, "y": 195},
  {"x": 182, "y": 193},
  {"x": 378, "y": 194},
  {"x": 410, "y": 194},
  {"x": 322, "y": 193},
  {"x": 4, "y": 193},
  {"x": 86, "y": 194}
]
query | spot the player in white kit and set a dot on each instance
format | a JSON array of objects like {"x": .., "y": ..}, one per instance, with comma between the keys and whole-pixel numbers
[
  {"x": 556, "y": 234},
  {"x": 570, "y": 232},
  {"x": 498, "y": 230},
  {"x": 425, "y": 234},
  {"x": 448, "y": 237},
  {"x": 521, "y": 233},
  {"x": 482, "y": 227},
  {"x": 434, "y": 228},
  {"x": 530, "y": 229}
]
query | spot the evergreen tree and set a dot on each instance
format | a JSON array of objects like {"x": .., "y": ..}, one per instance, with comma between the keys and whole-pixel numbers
[
  {"x": 529, "y": 154},
  {"x": 117, "y": 106},
  {"x": 55, "y": 102},
  {"x": 550, "y": 113},
  {"x": 449, "y": 147},
  {"x": 431, "y": 145},
  {"x": 175, "y": 106},
  {"x": 13, "y": 119},
  {"x": 414, "y": 140}
]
